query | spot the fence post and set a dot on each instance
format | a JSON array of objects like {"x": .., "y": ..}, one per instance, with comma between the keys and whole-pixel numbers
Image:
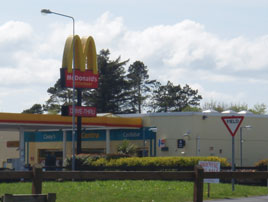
[
  {"x": 198, "y": 183},
  {"x": 37, "y": 180}
]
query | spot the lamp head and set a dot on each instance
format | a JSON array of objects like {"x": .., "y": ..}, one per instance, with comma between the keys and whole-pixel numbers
[
  {"x": 46, "y": 11},
  {"x": 248, "y": 127},
  {"x": 153, "y": 130}
]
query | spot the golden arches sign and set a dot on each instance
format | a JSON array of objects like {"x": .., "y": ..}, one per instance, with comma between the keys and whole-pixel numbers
[{"x": 85, "y": 63}]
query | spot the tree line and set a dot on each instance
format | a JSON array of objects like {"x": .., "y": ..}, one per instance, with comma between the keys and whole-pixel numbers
[
  {"x": 221, "y": 106},
  {"x": 122, "y": 91},
  {"x": 132, "y": 91}
]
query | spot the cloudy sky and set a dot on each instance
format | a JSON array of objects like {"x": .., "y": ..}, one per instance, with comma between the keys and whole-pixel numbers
[{"x": 216, "y": 46}]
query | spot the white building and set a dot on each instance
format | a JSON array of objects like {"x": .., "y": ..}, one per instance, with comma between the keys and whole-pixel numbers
[
  {"x": 178, "y": 134},
  {"x": 205, "y": 134}
]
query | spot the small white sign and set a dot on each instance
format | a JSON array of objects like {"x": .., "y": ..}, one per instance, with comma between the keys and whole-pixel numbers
[{"x": 210, "y": 166}]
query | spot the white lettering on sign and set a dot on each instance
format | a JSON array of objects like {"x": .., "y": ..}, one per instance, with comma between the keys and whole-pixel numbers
[
  {"x": 86, "y": 78},
  {"x": 49, "y": 137},
  {"x": 82, "y": 78},
  {"x": 69, "y": 77},
  {"x": 131, "y": 134},
  {"x": 83, "y": 111},
  {"x": 210, "y": 166}
]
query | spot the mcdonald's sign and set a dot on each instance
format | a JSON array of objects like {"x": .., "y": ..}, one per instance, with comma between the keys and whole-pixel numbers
[{"x": 85, "y": 63}]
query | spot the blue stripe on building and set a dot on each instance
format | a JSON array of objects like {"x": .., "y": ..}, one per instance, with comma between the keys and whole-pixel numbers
[{"x": 91, "y": 135}]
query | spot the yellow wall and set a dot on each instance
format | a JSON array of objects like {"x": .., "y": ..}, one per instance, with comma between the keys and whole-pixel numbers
[{"x": 5, "y": 152}]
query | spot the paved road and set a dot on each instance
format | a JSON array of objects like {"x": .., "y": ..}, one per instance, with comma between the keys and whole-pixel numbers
[{"x": 249, "y": 199}]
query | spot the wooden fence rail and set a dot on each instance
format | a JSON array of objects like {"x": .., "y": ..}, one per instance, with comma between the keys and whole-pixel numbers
[{"x": 198, "y": 175}]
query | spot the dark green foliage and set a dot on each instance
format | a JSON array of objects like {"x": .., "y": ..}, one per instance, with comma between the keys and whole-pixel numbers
[
  {"x": 112, "y": 93},
  {"x": 84, "y": 161},
  {"x": 192, "y": 109},
  {"x": 127, "y": 148},
  {"x": 174, "y": 98},
  {"x": 140, "y": 86},
  {"x": 58, "y": 96},
  {"x": 100, "y": 162},
  {"x": 35, "y": 109},
  {"x": 119, "y": 92},
  {"x": 263, "y": 162}
]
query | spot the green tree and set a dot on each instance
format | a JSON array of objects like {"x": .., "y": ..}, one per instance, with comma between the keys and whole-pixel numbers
[
  {"x": 127, "y": 148},
  {"x": 58, "y": 96},
  {"x": 217, "y": 106},
  {"x": 140, "y": 86},
  {"x": 220, "y": 107},
  {"x": 35, "y": 109},
  {"x": 259, "y": 109},
  {"x": 112, "y": 93},
  {"x": 152, "y": 101},
  {"x": 172, "y": 98},
  {"x": 238, "y": 107},
  {"x": 192, "y": 109}
]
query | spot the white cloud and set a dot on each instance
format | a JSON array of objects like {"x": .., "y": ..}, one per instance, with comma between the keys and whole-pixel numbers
[
  {"x": 14, "y": 31},
  {"x": 182, "y": 53},
  {"x": 218, "y": 96}
]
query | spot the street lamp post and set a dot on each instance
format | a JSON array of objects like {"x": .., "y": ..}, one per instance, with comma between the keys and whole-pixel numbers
[
  {"x": 241, "y": 143},
  {"x": 47, "y": 11}
]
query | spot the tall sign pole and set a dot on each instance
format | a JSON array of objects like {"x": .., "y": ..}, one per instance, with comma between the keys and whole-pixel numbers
[
  {"x": 73, "y": 104},
  {"x": 233, "y": 161},
  {"x": 83, "y": 75},
  {"x": 79, "y": 123},
  {"x": 232, "y": 123}
]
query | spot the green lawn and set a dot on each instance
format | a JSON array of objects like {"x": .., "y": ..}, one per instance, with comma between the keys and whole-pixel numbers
[{"x": 130, "y": 191}]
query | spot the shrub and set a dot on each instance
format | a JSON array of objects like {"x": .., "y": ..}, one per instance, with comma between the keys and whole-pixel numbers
[
  {"x": 127, "y": 148},
  {"x": 82, "y": 161},
  {"x": 116, "y": 156},
  {"x": 147, "y": 163},
  {"x": 261, "y": 163}
]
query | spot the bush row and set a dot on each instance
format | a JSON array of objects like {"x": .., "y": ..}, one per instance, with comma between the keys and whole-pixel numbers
[
  {"x": 262, "y": 163},
  {"x": 100, "y": 162}
]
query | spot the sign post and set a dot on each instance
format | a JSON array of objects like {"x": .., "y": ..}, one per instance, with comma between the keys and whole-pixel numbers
[
  {"x": 210, "y": 166},
  {"x": 232, "y": 123},
  {"x": 85, "y": 75}
]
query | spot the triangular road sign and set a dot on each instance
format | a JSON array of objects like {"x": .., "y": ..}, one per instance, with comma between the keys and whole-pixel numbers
[{"x": 232, "y": 123}]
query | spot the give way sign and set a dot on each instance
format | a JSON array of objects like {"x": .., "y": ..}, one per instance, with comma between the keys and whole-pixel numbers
[{"x": 232, "y": 123}]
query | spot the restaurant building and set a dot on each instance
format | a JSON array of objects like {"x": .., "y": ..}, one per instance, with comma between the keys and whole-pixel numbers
[{"x": 29, "y": 138}]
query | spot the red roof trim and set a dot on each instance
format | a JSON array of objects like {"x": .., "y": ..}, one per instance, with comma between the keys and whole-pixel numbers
[{"x": 67, "y": 123}]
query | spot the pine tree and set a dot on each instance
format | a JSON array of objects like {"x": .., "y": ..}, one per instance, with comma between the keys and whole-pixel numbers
[
  {"x": 112, "y": 92},
  {"x": 58, "y": 96},
  {"x": 140, "y": 86},
  {"x": 174, "y": 98},
  {"x": 35, "y": 109}
]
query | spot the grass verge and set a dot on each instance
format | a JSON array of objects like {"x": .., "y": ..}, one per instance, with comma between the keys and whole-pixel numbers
[{"x": 131, "y": 191}]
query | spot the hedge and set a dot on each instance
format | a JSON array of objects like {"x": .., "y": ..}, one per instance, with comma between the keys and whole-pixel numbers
[
  {"x": 100, "y": 162},
  {"x": 262, "y": 163}
]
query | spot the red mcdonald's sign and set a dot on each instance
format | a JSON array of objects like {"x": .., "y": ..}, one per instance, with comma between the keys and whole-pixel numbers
[{"x": 85, "y": 62}]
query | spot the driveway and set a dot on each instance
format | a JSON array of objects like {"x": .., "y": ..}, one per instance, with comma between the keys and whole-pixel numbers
[{"x": 248, "y": 199}]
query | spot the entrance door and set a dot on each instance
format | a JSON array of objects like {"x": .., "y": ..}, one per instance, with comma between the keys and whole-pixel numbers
[{"x": 44, "y": 153}]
